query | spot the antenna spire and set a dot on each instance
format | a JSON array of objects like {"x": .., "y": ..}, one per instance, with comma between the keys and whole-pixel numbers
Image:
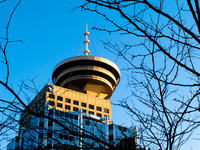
[{"x": 86, "y": 42}]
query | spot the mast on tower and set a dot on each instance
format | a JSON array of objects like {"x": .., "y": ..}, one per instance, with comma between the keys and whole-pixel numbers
[{"x": 86, "y": 42}]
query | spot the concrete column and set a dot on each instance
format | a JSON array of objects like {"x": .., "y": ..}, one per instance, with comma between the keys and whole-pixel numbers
[{"x": 80, "y": 124}]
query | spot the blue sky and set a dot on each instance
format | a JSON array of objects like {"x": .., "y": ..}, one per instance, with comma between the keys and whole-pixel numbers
[{"x": 50, "y": 34}]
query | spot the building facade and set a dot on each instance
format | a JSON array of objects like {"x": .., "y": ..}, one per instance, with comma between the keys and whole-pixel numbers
[{"x": 75, "y": 112}]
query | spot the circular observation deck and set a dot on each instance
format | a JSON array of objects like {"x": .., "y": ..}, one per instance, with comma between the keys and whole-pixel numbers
[{"x": 88, "y": 74}]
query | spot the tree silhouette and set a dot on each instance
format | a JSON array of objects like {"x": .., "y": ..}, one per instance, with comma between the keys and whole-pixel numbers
[{"x": 161, "y": 49}]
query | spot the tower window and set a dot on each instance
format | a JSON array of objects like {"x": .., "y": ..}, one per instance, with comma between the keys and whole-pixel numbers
[
  {"x": 83, "y": 104},
  {"x": 67, "y": 107},
  {"x": 75, "y": 109},
  {"x": 84, "y": 111},
  {"x": 91, "y": 112},
  {"x": 91, "y": 106},
  {"x": 76, "y": 102},
  {"x": 59, "y": 105},
  {"x": 59, "y": 98},
  {"x": 106, "y": 110},
  {"x": 52, "y": 96},
  {"x": 51, "y": 103},
  {"x": 99, "y": 108},
  {"x": 99, "y": 115},
  {"x": 67, "y": 100}
]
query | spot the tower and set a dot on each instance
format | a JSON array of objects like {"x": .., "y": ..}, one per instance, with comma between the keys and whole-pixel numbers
[{"x": 94, "y": 78}]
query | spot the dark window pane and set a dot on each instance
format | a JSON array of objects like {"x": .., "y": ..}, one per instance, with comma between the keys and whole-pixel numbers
[
  {"x": 120, "y": 128},
  {"x": 61, "y": 113},
  {"x": 59, "y": 98},
  {"x": 51, "y": 103},
  {"x": 66, "y": 137},
  {"x": 91, "y": 106},
  {"x": 41, "y": 124},
  {"x": 57, "y": 112},
  {"x": 51, "y": 112},
  {"x": 98, "y": 108},
  {"x": 40, "y": 135},
  {"x": 71, "y": 138},
  {"x": 17, "y": 139},
  {"x": 71, "y": 116},
  {"x": 67, "y": 100},
  {"x": 124, "y": 129},
  {"x": 42, "y": 112},
  {"x": 66, "y": 114},
  {"x": 75, "y": 109},
  {"x": 110, "y": 127},
  {"x": 59, "y": 105},
  {"x": 50, "y": 123},
  {"x": 67, "y": 107},
  {"x": 52, "y": 96},
  {"x": 87, "y": 122},
  {"x": 99, "y": 115},
  {"x": 84, "y": 111},
  {"x": 91, "y": 112},
  {"x": 76, "y": 117},
  {"x": 60, "y": 136},
  {"x": 110, "y": 137},
  {"x": 83, "y": 104},
  {"x": 49, "y": 135},
  {"x": 76, "y": 102},
  {"x": 106, "y": 110}
]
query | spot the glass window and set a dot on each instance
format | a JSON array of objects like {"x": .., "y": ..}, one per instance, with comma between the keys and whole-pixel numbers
[
  {"x": 71, "y": 138},
  {"x": 110, "y": 127},
  {"x": 75, "y": 109},
  {"x": 91, "y": 112},
  {"x": 110, "y": 137},
  {"x": 59, "y": 105},
  {"x": 91, "y": 106},
  {"x": 59, "y": 98},
  {"x": 60, "y": 136},
  {"x": 76, "y": 117},
  {"x": 51, "y": 103},
  {"x": 83, "y": 104},
  {"x": 42, "y": 112},
  {"x": 52, "y": 96},
  {"x": 66, "y": 137},
  {"x": 50, "y": 123},
  {"x": 40, "y": 135},
  {"x": 84, "y": 111},
  {"x": 41, "y": 124},
  {"x": 57, "y": 112},
  {"x": 71, "y": 116},
  {"x": 76, "y": 102},
  {"x": 106, "y": 110},
  {"x": 99, "y": 115},
  {"x": 87, "y": 122},
  {"x": 120, "y": 128},
  {"x": 49, "y": 134},
  {"x": 66, "y": 114},
  {"x": 51, "y": 112},
  {"x": 61, "y": 113},
  {"x": 67, "y": 100},
  {"x": 67, "y": 107},
  {"x": 99, "y": 108}
]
